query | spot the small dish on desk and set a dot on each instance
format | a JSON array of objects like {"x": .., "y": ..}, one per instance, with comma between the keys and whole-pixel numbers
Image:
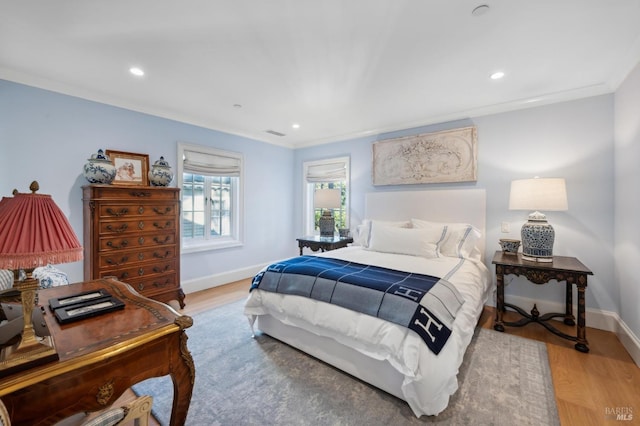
[{"x": 509, "y": 246}]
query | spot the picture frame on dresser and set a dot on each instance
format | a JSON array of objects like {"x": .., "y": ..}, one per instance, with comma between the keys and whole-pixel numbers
[{"x": 131, "y": 168}]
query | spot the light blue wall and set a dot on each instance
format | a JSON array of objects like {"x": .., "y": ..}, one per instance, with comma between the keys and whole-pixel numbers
[
  {"x": 627, "y": 233},
  {"x": 573, "y": 140},
  {"x": 48, "y": 137}
]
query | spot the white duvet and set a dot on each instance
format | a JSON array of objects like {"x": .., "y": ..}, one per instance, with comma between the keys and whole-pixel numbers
[{"x": 429, "y": 380}]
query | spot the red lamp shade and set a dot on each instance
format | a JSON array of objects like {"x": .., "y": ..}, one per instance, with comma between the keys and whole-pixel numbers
[
  {"x": 3, "y": 202},
  {"x": 34, "y": 232}
]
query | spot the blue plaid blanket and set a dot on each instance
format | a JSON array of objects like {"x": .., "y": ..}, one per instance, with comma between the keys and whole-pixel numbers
[{"x": 423, "y": 303}]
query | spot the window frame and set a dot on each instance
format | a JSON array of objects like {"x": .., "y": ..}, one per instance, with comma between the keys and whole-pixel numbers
[
  {"x": 308, "y": 211},
  {"x": 235, "y": 239}
]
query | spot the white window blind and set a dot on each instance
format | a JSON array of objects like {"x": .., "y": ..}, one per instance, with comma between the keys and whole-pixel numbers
[
  {"x": 212, "y": 192},
  {"x": 322, "y": 174},
  {"x": 208, "y": 164},
  {"x": 327, "y": 172}
]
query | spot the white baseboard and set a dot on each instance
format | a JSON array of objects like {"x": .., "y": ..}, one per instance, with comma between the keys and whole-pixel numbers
[
  {"x": 204, "y": 283},
  {"x": 630, "y": 341},
  {"x": 595, "y": 318}
]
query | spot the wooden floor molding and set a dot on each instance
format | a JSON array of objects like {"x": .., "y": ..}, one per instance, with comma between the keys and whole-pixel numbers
[{"x": 590, "y": 389}]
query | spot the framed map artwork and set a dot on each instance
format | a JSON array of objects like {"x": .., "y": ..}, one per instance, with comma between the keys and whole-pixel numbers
[{"x": 447, "y": 156}]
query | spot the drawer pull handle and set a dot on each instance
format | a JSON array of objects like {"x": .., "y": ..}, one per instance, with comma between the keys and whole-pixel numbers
[
  {"x": 141, "y": 225},
  {"x": 165, "y": 269},
  {"x": 158, "y": 211},
  {"x": 161, "y": 256},
  {"x": 118, "y": 230},
  {"x": 166, "y": 239},
  {"x": 164, "y": 284},
  {"x": 141, "y": 240},
  {"x": 141, "y": 271},
  {"x": 122, "y": 212},
  {"x": 123, "y": 244},
  {"x": 140, "y": 210},
  {"x": 125, "y": 259},
  {"x": 140, "y": 194},
  {"x": 140, "y": 286},
  {"x": 124, "y": 275},
  {"x": 159, "y": 226},
  {"x": 140, "y": 256}
]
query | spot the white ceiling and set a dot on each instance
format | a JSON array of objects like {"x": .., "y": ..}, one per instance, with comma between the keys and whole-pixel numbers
[{"x": 339, "y": 68}]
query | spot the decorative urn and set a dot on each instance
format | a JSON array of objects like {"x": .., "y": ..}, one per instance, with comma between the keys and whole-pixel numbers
[
  {"x": 99, "y": 169},
  {"x": 160, "y": 173}
]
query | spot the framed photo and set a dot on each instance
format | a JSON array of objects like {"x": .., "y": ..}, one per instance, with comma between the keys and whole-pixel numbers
[
  {"x": 78, "y": 298},
  {"x": 131, "y": 168}
]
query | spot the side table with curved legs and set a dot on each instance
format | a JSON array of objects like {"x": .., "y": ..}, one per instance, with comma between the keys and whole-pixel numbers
[
  {"x": 101, "y": 357},
  {"x": 568, "y": 269}
]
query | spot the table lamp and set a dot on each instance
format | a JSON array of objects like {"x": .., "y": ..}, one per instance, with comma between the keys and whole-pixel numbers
[
  {"x": 327, "y": 199},
  {"x": 33, "y": 232},
  {"x": 537, "y": 234}
]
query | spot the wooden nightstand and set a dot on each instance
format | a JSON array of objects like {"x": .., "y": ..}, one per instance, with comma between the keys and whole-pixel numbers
[
  {"x": 316, "y": 242},
  {"x": 568, "y": 269}
]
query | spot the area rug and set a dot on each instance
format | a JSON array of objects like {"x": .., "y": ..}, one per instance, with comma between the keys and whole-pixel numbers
[{"x": 240, "y": 380}]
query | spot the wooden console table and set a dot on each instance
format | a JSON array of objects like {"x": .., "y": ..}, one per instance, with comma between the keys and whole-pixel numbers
[
  {"x": 315, "y": 243},
  {"x": 568, "y": 269},
  {"x": 101, "y": 357}
]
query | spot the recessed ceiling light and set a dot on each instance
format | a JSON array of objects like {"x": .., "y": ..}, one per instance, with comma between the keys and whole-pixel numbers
[
  {"x": 237, "y": 106},
  {"x": 497, "y": 75},
  {"x": 295, "y": 125},
  {"x": 138, "y": 72}
]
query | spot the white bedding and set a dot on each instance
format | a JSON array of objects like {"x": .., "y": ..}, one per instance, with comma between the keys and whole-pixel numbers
[{"x": 429, "y": 380}]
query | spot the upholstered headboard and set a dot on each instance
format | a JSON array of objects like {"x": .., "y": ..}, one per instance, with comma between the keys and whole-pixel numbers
[{"x": 450, "y": 205}]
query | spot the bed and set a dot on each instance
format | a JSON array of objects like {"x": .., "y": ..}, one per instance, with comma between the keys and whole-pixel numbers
[{"x": 386, "y": 354}]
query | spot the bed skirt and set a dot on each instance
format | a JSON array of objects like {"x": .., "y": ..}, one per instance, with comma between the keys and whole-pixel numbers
[{"x": 378, "y": 373}]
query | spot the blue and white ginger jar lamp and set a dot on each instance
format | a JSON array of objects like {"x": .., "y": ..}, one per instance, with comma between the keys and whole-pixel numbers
[
  {"x": 160, "y": 173},
  {"x": 99, "y": 169}
]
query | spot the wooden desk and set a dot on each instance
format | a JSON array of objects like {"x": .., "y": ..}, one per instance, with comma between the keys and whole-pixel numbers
[
  {"x": 315, "y": 243},
  {"x": 101, "y": 357},
  {"x": 562, "y": 268}
]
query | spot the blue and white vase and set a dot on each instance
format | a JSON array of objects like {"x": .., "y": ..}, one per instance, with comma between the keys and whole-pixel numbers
[
  {"x": 537, "y": 238},
  {"x": 99, "y": 168},
  {"x": 160, "y": 173}
]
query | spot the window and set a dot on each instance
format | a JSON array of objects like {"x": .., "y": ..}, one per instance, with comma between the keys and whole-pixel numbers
[
  {"x": 333, "y": 174},
  {"x": 211, "y": 197}
]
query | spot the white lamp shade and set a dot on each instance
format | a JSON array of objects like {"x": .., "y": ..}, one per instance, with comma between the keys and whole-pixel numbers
[
  {"x": 326, "y": 199},
  {"x": 548, "y": 194}
]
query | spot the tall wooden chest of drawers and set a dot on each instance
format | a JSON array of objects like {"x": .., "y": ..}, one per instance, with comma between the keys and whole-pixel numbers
[{"x": 133, "y": 234}]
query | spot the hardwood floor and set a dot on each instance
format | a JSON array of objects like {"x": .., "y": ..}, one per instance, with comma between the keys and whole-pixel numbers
[
  {"x": 588, "y": 387},
  {"x": 217, "y": 296}
]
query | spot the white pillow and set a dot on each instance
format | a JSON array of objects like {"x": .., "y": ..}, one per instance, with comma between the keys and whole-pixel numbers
[
  {"x": 361, "y": 234},
  {"x": 414, "y": 242},
  {"x": 363, "y": 231},
  {"x": 459, "y": 240}
]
